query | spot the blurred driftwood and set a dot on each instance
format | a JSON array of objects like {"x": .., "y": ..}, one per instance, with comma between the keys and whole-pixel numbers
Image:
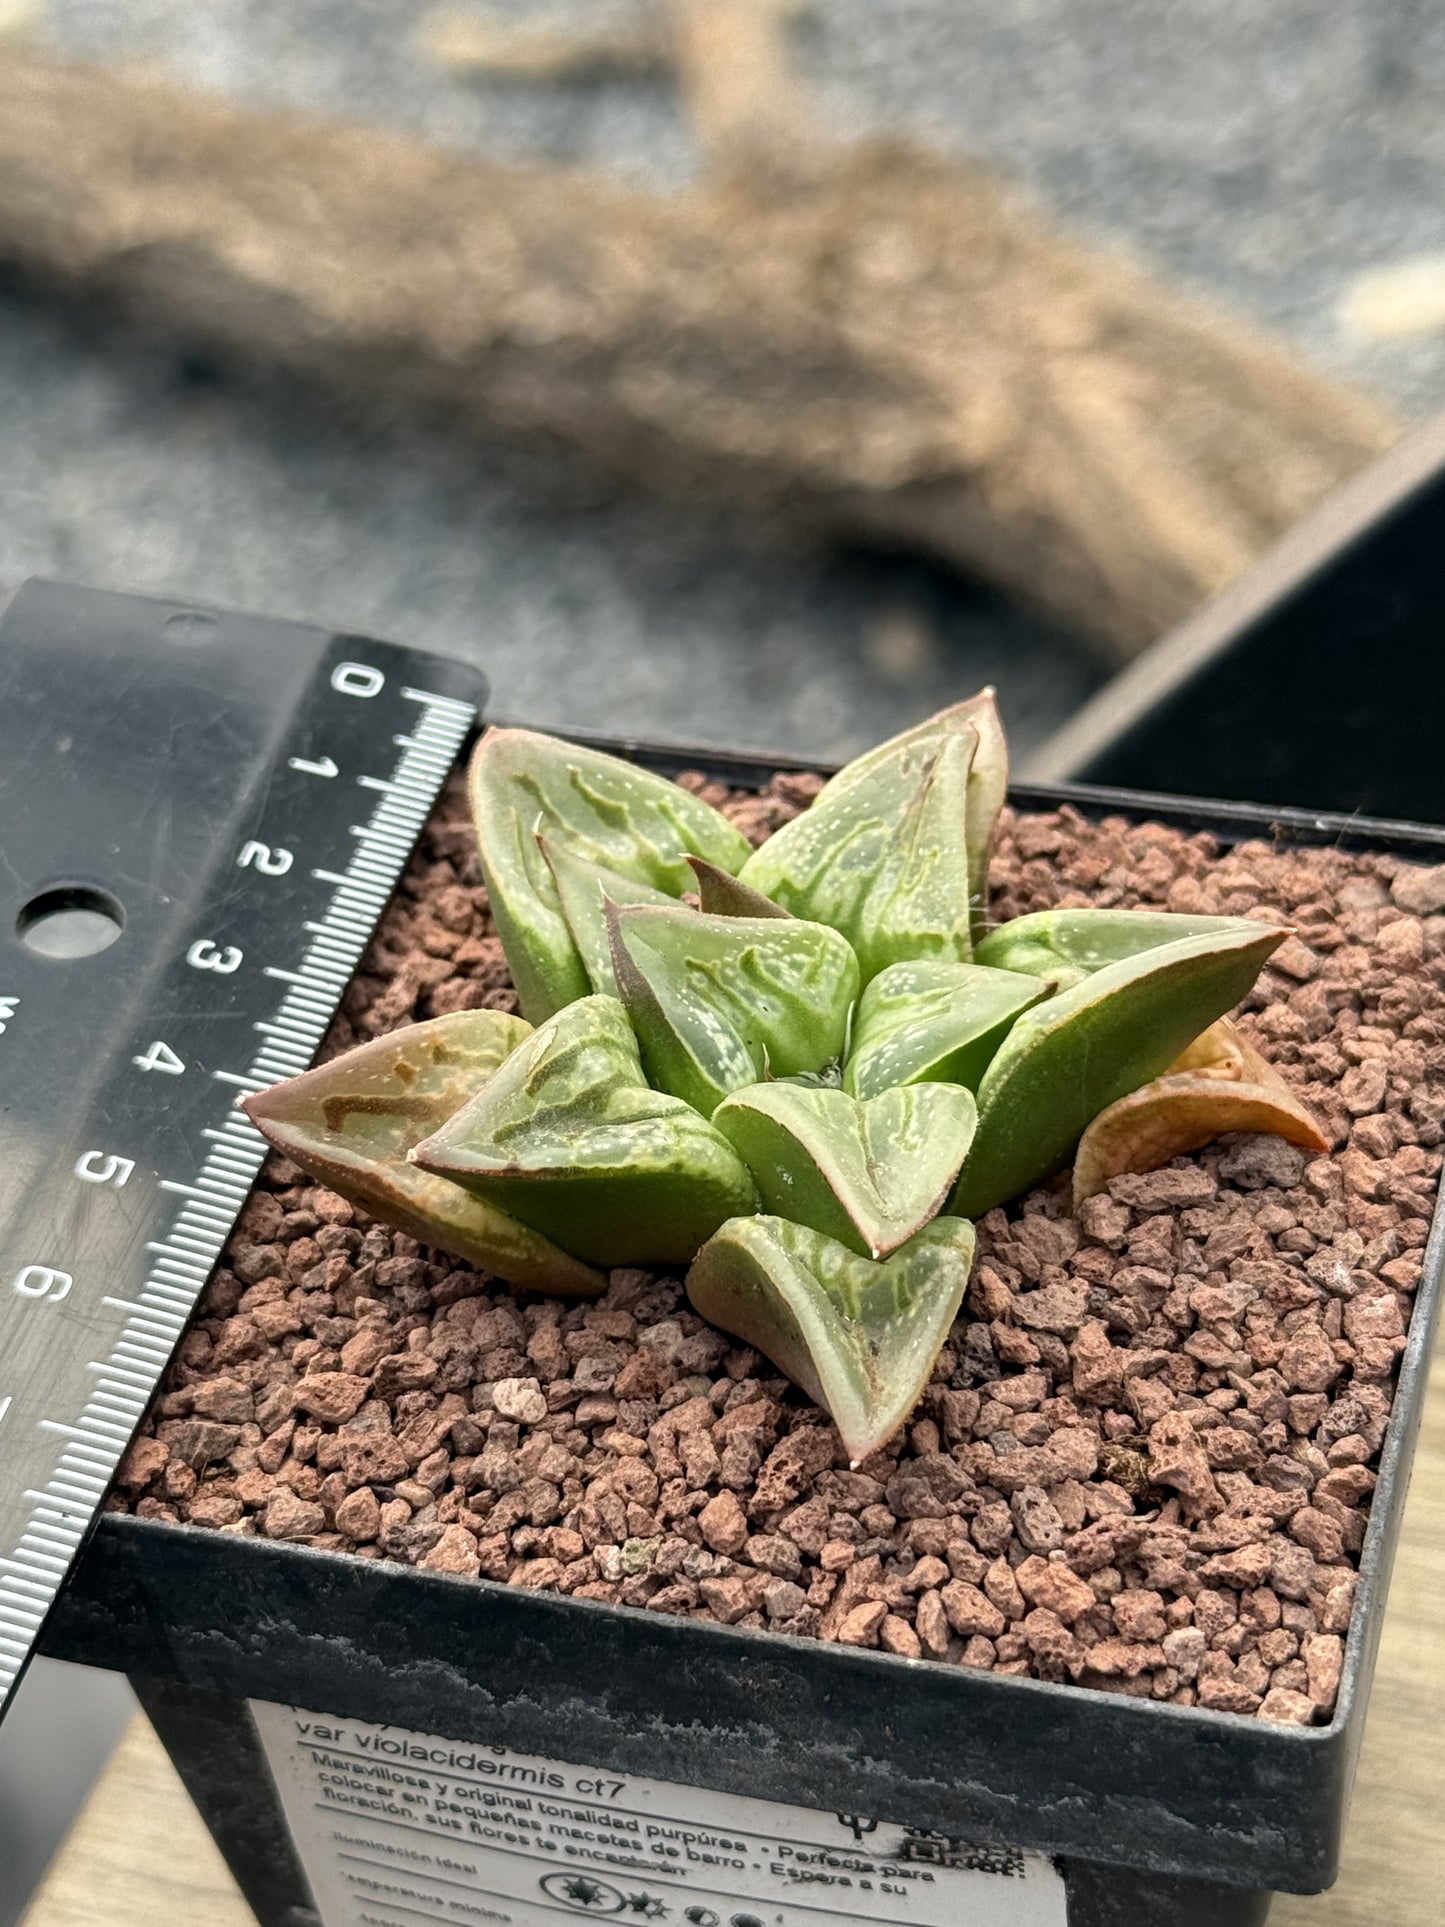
[
  {"x": 504, "y": 48},
  {"x": 880, "y": 342}
]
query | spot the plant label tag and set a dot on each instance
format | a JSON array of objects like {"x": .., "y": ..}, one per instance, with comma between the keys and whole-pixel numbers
[{"x": 393, "y": 1828}]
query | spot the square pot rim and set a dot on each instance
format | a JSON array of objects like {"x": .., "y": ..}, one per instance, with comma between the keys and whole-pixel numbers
[{"x": 1312, "y": 1766}]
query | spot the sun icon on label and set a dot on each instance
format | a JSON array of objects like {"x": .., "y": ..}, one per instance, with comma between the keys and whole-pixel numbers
[{"x": 581, "y": 1891}]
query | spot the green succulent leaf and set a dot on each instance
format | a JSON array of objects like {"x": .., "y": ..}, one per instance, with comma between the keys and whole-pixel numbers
[
  {"x": 720, "y": 1002},
  {"x": 352, "y": 1122},
  {"x": 627, "y": 819},
  {"x": 883, "y": 857},
  {"x": 1068, "y": 1058},
  {"x": 568, "y": 1138},
  {"x": 584, "y": 889},
  {"x": 1065, "y": 946},
  {"x": 859, "y": 1337},
  {"x": 869, "y": 1174},
  {"x": 987, "y": 780},
  {"x": 935, "y": 1022},
  {"x": 721, "y": 895}
]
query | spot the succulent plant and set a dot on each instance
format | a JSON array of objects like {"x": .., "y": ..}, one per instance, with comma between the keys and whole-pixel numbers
[{"x": 805, "y": 1088}]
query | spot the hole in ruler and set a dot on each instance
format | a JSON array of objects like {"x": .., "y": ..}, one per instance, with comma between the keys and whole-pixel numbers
[{"x": 72, "y": 920}]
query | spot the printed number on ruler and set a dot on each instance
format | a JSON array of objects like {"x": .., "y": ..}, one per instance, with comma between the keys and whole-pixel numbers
[
  {"x": 205, "y": 954},
  {"x": 160, "y": 1057},
  {"x": 99, "y": 1167},
  {"x": 347, "y": 679},
  {"x": 93, "y": 1429},
  {"x": 261, "y": 856},
  {"x": 43, "y": 1282}
]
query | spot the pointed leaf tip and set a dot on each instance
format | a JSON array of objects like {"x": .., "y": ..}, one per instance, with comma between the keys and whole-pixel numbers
[
  {"x": 722, "y": 895},
  {"x": 859, "y": 1338},
  {"x": 352, "y": 1123},
  {"x": 606, "y": 811},
  {"x": 1069, "y": 1058},
  {"x": 870, "y": 1174}
]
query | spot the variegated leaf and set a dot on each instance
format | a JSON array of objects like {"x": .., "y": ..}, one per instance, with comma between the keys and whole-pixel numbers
[
  {"x": 859, "y": 1337},
  {"x": 868, "y": 1174},
  {"x": 934, "y": 1021},
  {"x": 352, "y": 1122},
  {"x": 628, "y": 819},
  {"x": 1067, "y": 1059},
  {"x": 882, "y": 856},
  {"x": 720, "y": 1002},
  {"x": 568, "y": 1138}
]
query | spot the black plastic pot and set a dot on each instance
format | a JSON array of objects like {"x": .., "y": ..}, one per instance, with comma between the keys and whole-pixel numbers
[
  {"x": 1159, "y": 1816},
  {"x": 1319, "y": 675}
]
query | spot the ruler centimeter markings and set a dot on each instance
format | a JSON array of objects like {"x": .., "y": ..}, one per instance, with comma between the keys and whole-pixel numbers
[{"x": 251, "y": 885}]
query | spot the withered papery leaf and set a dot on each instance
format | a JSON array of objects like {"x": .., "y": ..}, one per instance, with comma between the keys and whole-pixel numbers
[
  {"x": 1218, "y": 1083},
  {"x": 859, "y": 1337},
  {"x": 1065, "y": 946},
  {"x": 1069, "y": 1058},
  {"x": 868, "y": 1174},
  {"x": 882, "y": 857},
  {"x": 352, "y": 1122},
  {"x": 721, "y": 895},
  {"x": 568, "y": 1138},
  {"x": 987, "y": 780},
  {"x": 720, "y": 1002},
  {"x": 585, "y": 889},
  {"x": 1224, "y": 1051},
  {"x": 1177, "y": 1114},
  {"x": 933, "y": 1021},
  {"x": 610, "y": 812}
]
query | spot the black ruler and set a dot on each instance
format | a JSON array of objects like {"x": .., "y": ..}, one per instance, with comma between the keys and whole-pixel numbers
[{"x": 202, "y": 816}]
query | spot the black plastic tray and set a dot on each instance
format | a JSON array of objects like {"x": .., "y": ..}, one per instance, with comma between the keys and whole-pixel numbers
[{"x": 1180, "y": 1795}]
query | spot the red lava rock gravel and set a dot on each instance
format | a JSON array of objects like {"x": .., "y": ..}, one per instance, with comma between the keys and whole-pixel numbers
[{"x": 1145, "y": 1460}]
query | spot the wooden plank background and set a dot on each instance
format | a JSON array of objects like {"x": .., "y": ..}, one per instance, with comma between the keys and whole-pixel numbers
[{"x": 139, "y": 1852}]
